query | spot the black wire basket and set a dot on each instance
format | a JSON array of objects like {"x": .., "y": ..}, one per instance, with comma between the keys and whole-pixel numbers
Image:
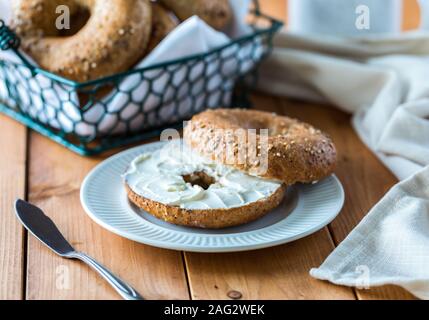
[{"x": 95, "y": 116}]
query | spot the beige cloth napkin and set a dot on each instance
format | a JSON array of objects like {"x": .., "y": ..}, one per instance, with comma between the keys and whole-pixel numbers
[{"x": 384, "y": 83}]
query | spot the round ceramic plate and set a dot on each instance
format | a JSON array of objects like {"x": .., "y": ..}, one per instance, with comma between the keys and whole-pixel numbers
[{"x": 305, "y": 209}]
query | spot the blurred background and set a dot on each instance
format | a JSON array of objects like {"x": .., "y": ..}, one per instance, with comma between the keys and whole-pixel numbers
[{"x": 278, "y": 9}]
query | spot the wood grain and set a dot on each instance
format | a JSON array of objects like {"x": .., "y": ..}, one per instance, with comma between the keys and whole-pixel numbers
[
  {"x": 275, "y": 273},
  {"x": 12, "y": 186},
  {"x": 55, "y": 175}
]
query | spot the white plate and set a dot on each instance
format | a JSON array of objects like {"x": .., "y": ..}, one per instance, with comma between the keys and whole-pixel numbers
[{"x": 306, "y": 209}]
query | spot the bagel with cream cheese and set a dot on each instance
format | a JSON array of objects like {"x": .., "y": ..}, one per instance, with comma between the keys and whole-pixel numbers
[{"x": 178, "y": 186}]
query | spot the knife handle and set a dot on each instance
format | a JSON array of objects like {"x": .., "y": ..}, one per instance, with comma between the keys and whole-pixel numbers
[{"x": 126, "y": 291}]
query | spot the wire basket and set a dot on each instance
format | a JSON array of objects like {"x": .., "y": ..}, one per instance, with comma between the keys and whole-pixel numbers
[{"x": 95, "y": 116}]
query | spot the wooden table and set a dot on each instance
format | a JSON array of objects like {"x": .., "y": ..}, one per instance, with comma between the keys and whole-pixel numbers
[{"x": 35, "y": 168}]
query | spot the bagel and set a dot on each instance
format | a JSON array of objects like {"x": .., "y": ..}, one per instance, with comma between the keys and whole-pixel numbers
[
  {"x": 295, "y": 152},
  {"x": 163, "y": 22},
  {"x": 112, "y": 40},
  {"x": 176, "y": 185},
  {"x": 216, "y": 13}
]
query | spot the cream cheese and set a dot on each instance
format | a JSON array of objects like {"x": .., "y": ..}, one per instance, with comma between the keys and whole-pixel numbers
[{"x": 159, "y": 176}]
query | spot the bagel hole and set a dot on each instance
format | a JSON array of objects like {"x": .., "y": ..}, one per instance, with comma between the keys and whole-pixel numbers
[
  {"x": 78, "y": 20},
  {"x": 200, "y": 178}
]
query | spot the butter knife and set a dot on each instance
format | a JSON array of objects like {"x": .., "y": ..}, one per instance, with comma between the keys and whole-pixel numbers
[{"x": 44, "y": 229}]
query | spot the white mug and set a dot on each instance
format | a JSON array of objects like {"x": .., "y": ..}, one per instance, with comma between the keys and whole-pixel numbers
[{"x": 345, "y": 17}]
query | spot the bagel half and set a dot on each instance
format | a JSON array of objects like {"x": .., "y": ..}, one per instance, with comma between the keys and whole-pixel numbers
[
  {"x": 212, "y": 218},
  {"x": 296, "y": 151},
  {"x": 176, "y": 185}
]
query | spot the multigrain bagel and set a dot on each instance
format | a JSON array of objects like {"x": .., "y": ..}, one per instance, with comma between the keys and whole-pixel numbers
[
  {"x": 295, "y": 152},
  {"x": 163, "y": 22},
  {"x": 209, "y": 219},
  {"x": 216, "y": 13},
  {"x": 112, "y": 40},
  {"x": 176, "y": 185}
]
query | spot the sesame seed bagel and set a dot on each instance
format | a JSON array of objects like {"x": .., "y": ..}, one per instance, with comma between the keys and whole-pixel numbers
[
  {"x": 293, "y": 151},
  {"x": 209, "y": 219},
  {"x": 112, "y": 40},
  {"x": 216, "y": 13},
  {"x": 177, "y": 185}
]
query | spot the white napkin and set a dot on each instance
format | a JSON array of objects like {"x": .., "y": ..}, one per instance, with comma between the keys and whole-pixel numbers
[
  {"x": 383, "y": 81},
  {"x": 390, "y": 245},
  {"x": 193, "y": 36}
]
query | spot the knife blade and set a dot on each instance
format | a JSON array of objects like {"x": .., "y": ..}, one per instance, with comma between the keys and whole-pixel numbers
[{"x": 42, "y": 227}]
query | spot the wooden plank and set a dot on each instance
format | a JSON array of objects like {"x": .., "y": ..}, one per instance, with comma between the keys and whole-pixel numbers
[
  {"x": 275, "y": 273},
  {"x": 54, "y": 181},
  {"x": 12, "y": 185},
  {"x": 388, "y": 292},
  {"x": 365, "y": 179},
  {"x": 281, "y": 272}
]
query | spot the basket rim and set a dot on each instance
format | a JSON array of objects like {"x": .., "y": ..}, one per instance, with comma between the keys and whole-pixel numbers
[{"x": 274, "y": 27}]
